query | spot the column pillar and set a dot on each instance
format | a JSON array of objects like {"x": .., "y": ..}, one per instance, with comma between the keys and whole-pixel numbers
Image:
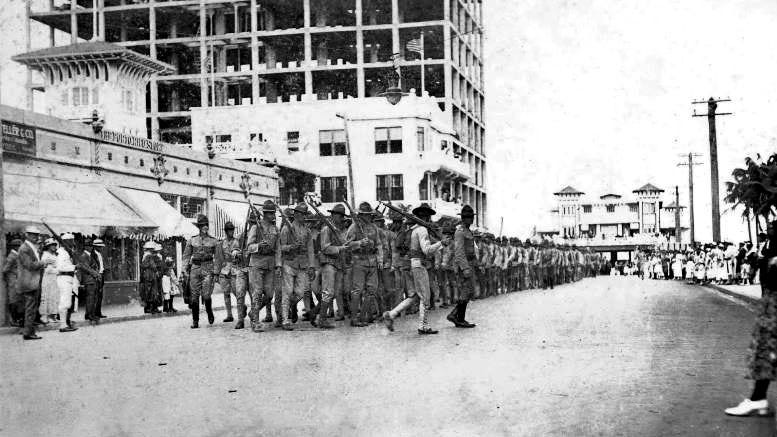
[
  {"x": 101, "y": 19},
  {"x": 73, "y": 23},
  {"x": 308, "y": 42},
  {"x": 28, "y": 81},
  {"x": 254, "y": 54},
  {"x": 394, "y": 26},
  {"x": 203, "y": 58},
  {"x": 360, "y": 85}
]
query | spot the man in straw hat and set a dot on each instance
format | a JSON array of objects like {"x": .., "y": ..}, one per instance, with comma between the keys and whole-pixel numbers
[
  {"x": 421, "y": 255},
  {"x": 263, "y": 265},
  {"x": 367, "y": 259},
  {"x": 28, "y": 282},
  {"x": 200, "y": 260}
]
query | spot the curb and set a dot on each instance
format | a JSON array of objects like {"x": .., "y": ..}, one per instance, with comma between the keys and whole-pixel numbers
[
  {"x": 747, "y": 299},
  {"x": 6, "y": 330}
]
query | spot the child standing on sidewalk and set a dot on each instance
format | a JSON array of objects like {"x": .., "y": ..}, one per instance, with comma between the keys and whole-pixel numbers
[{"x": 170, "y": 286}]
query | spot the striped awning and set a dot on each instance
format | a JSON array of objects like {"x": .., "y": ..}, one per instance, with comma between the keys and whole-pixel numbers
[{"x": 227, "y": 211}]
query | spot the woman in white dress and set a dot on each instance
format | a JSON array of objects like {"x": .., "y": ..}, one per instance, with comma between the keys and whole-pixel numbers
[
  {"x": 49, "y": 291},
  {"x": 677, "y": 267}
]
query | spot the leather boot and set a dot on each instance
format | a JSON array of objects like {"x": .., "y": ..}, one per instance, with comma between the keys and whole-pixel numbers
[
  {"x": 463, "y": 323},
  {"x": 453, "y": 316},
  {"x": 321, "y": 319},
  {"x": 228, "y": 304},
  {"x": 209, "y": 311},
  {"x": 195, "y": 306},
  {"x": 241, "y": 314}
]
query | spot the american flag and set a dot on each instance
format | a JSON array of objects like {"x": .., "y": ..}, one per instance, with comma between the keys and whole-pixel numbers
[{"x": 414, "y": 45}]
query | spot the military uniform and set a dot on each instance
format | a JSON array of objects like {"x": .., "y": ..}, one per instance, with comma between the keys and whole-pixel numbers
[
  {"x": 333, "y": 261},
  {"x": 367, "y": 259},
  {"x": 400, "y": 261},
  {"x": 228, "y": 272},
  {"x": 263, "y": 253},
  {"x": 465, "y": 263},
  {"x": 200, "y": 259},
  {"x": 297, "y": 255}
]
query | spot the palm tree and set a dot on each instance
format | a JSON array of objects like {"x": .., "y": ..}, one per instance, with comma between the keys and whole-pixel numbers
[{"x": 755, "y": 188}]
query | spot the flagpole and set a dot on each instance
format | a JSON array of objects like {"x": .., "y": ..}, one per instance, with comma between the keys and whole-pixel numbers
[{"x": 423, "y": 73}]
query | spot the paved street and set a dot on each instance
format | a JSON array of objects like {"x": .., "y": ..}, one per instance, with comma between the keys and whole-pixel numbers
[{"x": 608, "y": 356}]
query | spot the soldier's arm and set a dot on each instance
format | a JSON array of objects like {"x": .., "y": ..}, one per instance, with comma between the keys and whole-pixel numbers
[
  {"x": 252, "y": 247},
  {"x": 350, "y": 237},
  {"x": 327, "y": 247},
  {"x": 218, "y": 258},
  {"x": 186, "y": 258},
  {"x": 426, "y": 246},
  {"x": 283, "y": 238}
]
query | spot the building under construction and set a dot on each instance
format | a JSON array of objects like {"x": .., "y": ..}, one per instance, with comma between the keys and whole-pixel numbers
[{"x": 256, "y": 53}]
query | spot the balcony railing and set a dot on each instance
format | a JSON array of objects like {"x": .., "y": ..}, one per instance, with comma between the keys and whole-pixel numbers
[{"x": 436, "y": 160}]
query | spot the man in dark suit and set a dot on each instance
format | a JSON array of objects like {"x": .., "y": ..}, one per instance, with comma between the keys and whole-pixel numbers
[
  {"x": 89, "y": 279},
  {"x": 29, "y": 277}
]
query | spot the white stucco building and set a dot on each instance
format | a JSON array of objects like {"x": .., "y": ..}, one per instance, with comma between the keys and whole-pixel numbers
[{"x": 406, "y": 153}]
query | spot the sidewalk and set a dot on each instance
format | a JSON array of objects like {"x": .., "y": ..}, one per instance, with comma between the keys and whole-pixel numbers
[
  {"x": 126, "y": 313},
  {"x": 748, "y": 293}
]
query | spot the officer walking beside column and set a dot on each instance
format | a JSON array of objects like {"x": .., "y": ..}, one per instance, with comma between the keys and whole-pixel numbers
[{"x": 201, "y": 260}]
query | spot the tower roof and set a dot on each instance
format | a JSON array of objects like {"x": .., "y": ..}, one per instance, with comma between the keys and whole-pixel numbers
[
  {"x": 673, "y": 205},
  {"x": 568, "y": 190},
  {"x": 92, "y": 51},
  {"x": 648, "y": 188}
]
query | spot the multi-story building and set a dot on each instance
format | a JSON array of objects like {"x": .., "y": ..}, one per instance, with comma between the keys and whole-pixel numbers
[
  {"x": 285, "y": 53},
  {"x": 616, "y": 223}
]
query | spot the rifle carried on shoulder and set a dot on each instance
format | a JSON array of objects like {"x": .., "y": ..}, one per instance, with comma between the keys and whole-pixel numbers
[
  {"x": 354, "y": 218},
  {"x": 286, "y": 222},
  {"x": 412, "y": 218},
  {"x": 326, "y": 221}
]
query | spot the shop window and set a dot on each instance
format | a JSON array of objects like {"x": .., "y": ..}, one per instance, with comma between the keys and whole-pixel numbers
[
  {"x": 331, "y": 142},
  {"x": 389, "y": 187},
  {"x": 120, "y": 256},
  {"x": 334, "y": 189},
  {"x": 191, "y": 206},
  {"x": 388, "y": 140}
]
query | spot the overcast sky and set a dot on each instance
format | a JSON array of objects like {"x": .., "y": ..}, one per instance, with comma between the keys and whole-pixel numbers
[{"x": 596, "y": 94}]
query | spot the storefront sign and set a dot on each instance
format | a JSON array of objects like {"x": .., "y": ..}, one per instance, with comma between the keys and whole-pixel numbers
[
  {"x": 18, "y": 138},
  {"x": 130, "y": 140}
]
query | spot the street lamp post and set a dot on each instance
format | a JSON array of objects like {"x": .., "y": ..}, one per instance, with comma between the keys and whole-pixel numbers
[{"x": 393, "y": 95}]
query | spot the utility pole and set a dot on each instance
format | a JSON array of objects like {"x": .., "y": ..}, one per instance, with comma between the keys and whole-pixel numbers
[
  {"x": 690, "y": 165},
  {"x": 677, "y": 236},
  {"x": 352, "y": 190},
  {"x": 712, "y": 104}
]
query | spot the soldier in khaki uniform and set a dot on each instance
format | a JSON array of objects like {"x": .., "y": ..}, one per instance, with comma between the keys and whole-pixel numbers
[
  {"x": 201, "y": 259},
  {"x": 367, "y": 261},
  {"x": 334, "y": 250},
  {"x": 466, "y": 261},
  {"x": 263, "y": 259},
  {"x": 297, "y": 254},
  {"x": 228, "y": 272}
]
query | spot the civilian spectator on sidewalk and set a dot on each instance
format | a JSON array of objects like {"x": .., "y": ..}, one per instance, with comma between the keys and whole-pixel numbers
[
  {"x": 66, "y": 283},
  {"x": 97, "y": 247},
  {"x": 762, "y": 362},
  {"x": 30, "y": 273},
  {"x": 10, "y": 275},
  {"x": 150, "y": 279},
  {"x": 88, "y": 278},
  {"x": 170, "y": 286},
  {"x": 49, "y": 301}
]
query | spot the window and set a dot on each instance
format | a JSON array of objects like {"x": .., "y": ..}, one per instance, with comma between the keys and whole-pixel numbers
[
  {"x": 121, "y": 258},
  {"x": 128, "y": 100},
  {"x": 53, "y": 146},
  {"x": 80, "y": 96},
  {"x": 77, "y": 150},
  {"x": 199, "y": 173},
  {"x": 142, "y": 163},
  {"x": 634, "y": 208},
  {"x": 126, "y": 159},
  {"x": 256, "y": 137},
  {"x": 220, "y": 177},
  {"x": 292, "y": 137},
  {"x": 648, "y": 208},
  {"x": 388, "y": 140},
  {"x": 587, "y": 209},
  {"x": 390, "y": 187},
  {"x": 223, "y": 138},
  {"x": 110, "y": 156},
  {"x": 175, "y": 169},
  {"x": 610, "y": 208},
  {"x": 420, "y": 137},
  {"x": 334, "y": 189},
  {"x": 443, "y": 145},
  {"x": 191, "y": 206},
  {"x": 331, "y": 142}
]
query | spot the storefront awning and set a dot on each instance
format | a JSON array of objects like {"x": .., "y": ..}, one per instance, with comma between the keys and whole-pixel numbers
[
  {"x": 150, "y": 205},
  {"x": 83, "y": 207},
  {"x": 226, "y": 211}
]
